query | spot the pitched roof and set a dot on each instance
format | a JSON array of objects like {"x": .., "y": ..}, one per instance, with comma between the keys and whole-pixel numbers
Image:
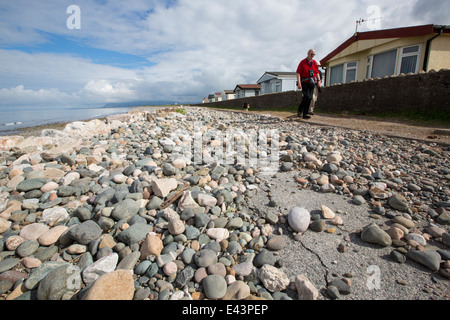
[
  {"x": 282, "y": 73},
  {"x": 248, "y": 86},
  {"x": 277, "y": 74},
  {"x": 415, "y": 31}
]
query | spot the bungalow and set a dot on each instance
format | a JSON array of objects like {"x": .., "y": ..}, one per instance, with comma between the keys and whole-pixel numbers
[
  {"x": 227, "y": 95},
  {"x": 275, "y": 81},
  {"x": 218, "y": 96},
  {"x": 247, "y": 90},
  {"x": 380, "y": 53}
]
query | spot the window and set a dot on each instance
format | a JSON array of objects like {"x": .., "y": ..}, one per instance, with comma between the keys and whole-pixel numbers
[
  {"x": 264, "y": 88},
  {"x": 272, "y": 86},
  {"x": 383, "y": 64},
  {"x": 343, "y": 73},
  {"x": 278, "y": 86},
  {"x": 336, "y": 74},
  {"x": 350, "y": 74},
  {"x": 409, "y": 57},
  {"x": 368, "y": 67}
]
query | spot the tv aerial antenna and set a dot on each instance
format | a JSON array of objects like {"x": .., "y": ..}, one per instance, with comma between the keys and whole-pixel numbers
[{"x": 361, "y": 21}]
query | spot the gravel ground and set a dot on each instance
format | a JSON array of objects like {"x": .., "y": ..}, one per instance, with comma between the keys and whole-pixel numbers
[
  {"x": 316, "y": 255},
  {"x": 340, "y": 253},
  {"x": 390, "y": 127}
]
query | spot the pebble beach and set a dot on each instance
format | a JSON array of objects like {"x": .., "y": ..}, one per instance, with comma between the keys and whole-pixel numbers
[{"x": 122, "y": 209}]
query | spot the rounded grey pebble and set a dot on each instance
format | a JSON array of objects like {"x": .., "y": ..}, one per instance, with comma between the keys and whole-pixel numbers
[
  {"x": 215, "y": 286},
  {"x": 333, "y": 292},
  {"x": 27, "y": 248},
  {"x": 358, "y": 200},
  {"x": 205, "y": 258},
  {"x": 59, "y": 281},
  {"x": 398, "y": 257}
]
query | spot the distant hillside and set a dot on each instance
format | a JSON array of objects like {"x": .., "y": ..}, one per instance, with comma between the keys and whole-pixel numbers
[{"x": 139, "y": 103}]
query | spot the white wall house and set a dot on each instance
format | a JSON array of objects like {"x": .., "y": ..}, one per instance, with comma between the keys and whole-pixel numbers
[
  {"x": 217, "y": 96},
  {"x": 387, "y": 52},
  {"x": 247, "y": 90},
  {"x": 227, "y": 95},
  {"x": 274, "y": 81}
]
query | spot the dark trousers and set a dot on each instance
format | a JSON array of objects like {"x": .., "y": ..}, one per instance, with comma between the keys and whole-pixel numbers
[{"x": 307, "y": 91}]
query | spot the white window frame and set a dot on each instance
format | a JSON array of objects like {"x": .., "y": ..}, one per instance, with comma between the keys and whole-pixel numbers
[
  {"x": 329, "y": 74},
  {"x": 382, "y": 52},
  {"x": 346, "y": 68},
  {"x": 369, "y": 61},
  {"x": 272, "y": 86},
  {"x": 344, "y": 72},
  {"x": 278, "y": 86},
  {"x": 263, "y": 87},
  {"x": 398, "y": 61},
  {"x": 402, "y": 55}
]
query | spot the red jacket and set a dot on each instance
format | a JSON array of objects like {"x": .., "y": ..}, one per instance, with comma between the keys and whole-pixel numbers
[{"x": 304, "y": 67}]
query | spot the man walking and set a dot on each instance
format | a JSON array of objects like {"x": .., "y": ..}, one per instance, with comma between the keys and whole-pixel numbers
[{"x": 307, "y": 75}]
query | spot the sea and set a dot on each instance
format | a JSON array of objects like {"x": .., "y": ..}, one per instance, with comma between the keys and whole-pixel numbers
[{"x": 14, "y": 118}]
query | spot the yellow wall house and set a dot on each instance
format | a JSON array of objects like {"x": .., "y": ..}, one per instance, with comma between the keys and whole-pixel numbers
[{"x": 381, "y": 53}]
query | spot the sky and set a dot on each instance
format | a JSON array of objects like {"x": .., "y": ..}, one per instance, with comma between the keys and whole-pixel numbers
[{"x": 92, "y": 52}]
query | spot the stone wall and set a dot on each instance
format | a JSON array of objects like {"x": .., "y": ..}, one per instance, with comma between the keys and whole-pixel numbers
[
  {"x": 428, "y": 91},
  {"x": 425, "y": 91},
  {"x": 282, "y": 100}
]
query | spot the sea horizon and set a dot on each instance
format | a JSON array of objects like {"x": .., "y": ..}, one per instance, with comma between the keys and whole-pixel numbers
[
  {"x": 16, "y": 118},
  {"x": 13, "y": 119}
]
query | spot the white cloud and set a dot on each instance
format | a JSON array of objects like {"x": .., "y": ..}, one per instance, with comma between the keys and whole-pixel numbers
[
  {"x": 196, "y": 46},
  {"x": 51, "y": 70},
  {"x": 19, "y": 96},
  {"x": 107, "y": 91},
  {"x": 76, "y": 77}
]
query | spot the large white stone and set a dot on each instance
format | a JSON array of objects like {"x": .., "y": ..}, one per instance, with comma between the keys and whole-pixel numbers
[
  {"x": 100, "y": 267},
  {"x": 71, "y": 176},
  {"x": 299, "y": 219},
  {"x": 176, "y": 227},
  {"x": 87, "y": 129},
  {"x": 334, "y": 157},
  {"x": 54, "y": 214},
  {"x": 50, "y": 155},
  {"x": 179, "y": 163},
  {"x": 186, "y": 201},
  {"x": 6, "y": 143},
  {"x": 206, "y": 200},
  {"x": 218, "y": 234},
  {"x": 327, "y": 213},
  {"x": 305, "y": 289},
  {"x": 162, "y": 187},
  {"x": 273, "y": 278}
]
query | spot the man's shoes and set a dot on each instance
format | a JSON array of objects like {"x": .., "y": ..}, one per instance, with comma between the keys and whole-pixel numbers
[
  {"x": 311, "y": 113},
  {"x": 306, "y": 117}
]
